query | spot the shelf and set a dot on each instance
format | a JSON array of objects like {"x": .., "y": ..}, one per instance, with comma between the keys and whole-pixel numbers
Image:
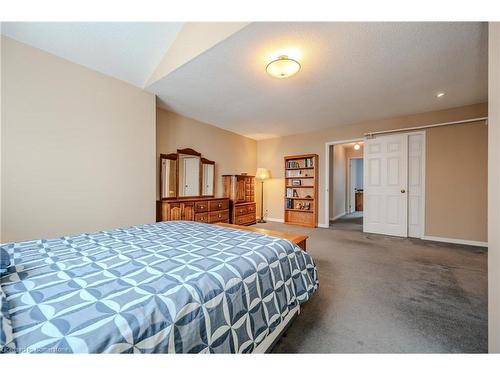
[{"x": 306, "y": 172}]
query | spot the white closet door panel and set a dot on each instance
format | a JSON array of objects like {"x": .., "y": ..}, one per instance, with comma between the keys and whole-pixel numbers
[
  {"x": 416, "y": 185},
  {"x": 385, "y": 177}
]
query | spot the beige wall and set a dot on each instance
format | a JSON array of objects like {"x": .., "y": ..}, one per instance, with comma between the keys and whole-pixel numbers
[
  {"x": 231, "y": 152},
  {"x": 1, "y": 121},
  {"x": 271, "y": 152},
  {"x": 456, "y": 182},
  {"x": 78, "y": 148},
  {"x": 493, "y": 190}
]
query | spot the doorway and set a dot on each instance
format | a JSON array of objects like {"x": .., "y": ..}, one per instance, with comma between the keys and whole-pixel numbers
[{"x": 345, "y": 189}]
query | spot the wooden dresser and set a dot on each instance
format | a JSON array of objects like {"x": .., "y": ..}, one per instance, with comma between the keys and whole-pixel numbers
[
  {"x": 203, "y": 210},
  {"x": 240, "y": 189}
]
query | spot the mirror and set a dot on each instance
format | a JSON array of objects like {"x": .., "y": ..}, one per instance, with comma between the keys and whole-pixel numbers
[
  {"x": 189, "y": 175},
  {"x": 208, "y": 177},
  {"x": 168, "y": 176},
  {"x": 186, "y": 174}
]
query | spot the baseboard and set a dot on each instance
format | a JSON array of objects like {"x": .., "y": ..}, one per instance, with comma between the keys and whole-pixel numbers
[
  {"x": 322, "y": 225},
  {"x": 457, "y": 241},
  {"x": 338, "y": 216},
  {"x": 274, "y": 220}
]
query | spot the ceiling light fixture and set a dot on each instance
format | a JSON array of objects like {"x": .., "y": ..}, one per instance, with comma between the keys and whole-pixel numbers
[
  {"x": 440, "y": 94},
  {"x": 283, "y": 67},
  {"x": 357, "y": 147}
]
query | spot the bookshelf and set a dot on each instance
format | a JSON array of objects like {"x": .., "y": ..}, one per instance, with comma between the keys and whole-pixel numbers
[{"x": 301, "y": 190}]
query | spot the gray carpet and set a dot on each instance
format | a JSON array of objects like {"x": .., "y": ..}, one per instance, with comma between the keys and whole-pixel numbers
[{"x": 381, "y": 294}]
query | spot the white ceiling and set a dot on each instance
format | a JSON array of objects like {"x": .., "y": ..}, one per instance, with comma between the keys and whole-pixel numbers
[
  {"x": 351, "y": 72},
  {"x": 128, "y": 51}
]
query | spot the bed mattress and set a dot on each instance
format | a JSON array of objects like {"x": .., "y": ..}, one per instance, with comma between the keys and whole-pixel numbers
[{"x": 168, "y": 287}]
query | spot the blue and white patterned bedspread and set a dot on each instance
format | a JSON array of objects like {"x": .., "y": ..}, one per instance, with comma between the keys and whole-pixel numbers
[{"x": 169, "y": 287}]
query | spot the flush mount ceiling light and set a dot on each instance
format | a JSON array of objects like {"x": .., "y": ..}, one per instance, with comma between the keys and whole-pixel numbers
[
  {"x": 440, "y": 94},
  {"x": 357, "y": 146},
  {"x": 283, "y": 67}
]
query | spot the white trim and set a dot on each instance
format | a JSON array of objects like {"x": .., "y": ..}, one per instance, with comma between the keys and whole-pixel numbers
[
  {"x": 339, "y": 215},
  {"x": 323, "y": 225},
  {"x": 274, "y": 220},
  {"x": 327, "y": 173},
  {"x": 457, "y": 241}
]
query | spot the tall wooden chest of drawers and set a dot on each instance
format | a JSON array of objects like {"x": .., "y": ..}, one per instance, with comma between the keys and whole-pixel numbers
[{"x": 240, "y": 189}]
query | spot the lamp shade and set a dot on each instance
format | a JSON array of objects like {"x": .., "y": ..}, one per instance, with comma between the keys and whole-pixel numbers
[
  {"x": 283, "y": 67},
  {"x": 262, "y": 174}
]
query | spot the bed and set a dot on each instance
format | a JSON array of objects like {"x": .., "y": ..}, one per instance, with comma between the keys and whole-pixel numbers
[{"x": 168, "y": 287}]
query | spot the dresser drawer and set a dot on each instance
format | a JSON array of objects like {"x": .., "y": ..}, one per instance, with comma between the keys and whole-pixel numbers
[
  {"x": 245, "y": 219},
  {"x": 202, "y": 217},
  {"x": 217, "y": 217},
  {"x": 222, "y": 204},
  {"x": 240, "y": 210},
  {"x": 201, "y": 206},
  {"x": 251, "y": 208}
]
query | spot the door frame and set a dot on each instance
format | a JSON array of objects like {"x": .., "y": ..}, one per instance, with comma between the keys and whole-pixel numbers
[
  {"x": 327, "y": 176},
  {"x": 349, "y": 182}
]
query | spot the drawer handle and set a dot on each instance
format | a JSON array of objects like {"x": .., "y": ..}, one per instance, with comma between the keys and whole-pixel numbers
[
  {"x": 219, "y": 205},
  {"x": 202, "y": 206},
  {"x": 220, "y": 216}
]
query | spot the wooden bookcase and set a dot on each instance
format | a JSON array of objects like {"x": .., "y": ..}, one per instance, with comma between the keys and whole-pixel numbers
[{"x": 301, "y": 190}]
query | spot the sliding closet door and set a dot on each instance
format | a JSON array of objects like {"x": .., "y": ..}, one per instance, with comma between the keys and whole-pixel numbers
[
  {"x": 416, "y": 184},
  {"x": 385, "y": 178}
]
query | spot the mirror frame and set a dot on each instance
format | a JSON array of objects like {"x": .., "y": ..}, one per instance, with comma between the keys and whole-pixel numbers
[{"x": 175, "y": 156}]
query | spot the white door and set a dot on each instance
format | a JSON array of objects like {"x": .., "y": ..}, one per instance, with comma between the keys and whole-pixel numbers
[
  {"x": 416, "y": 176},
  {"x": 385, "y": 178}
]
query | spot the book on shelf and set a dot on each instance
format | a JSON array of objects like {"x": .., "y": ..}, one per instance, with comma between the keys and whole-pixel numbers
[
  {"x": 294, "y": 164},
  {"x": 309, "y": 162},
  {"x": 297, "y": 173}
]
